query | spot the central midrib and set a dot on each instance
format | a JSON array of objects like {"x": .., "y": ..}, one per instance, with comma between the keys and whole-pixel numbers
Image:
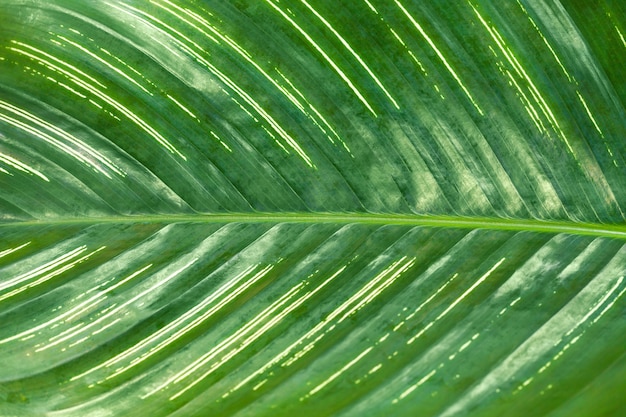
[{"x": 593, "y": 229}]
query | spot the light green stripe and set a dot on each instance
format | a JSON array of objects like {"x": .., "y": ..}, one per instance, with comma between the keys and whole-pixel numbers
[{"x": 592, "y": 229}]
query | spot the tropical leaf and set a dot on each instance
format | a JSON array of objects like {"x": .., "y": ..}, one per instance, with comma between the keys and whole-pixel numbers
[{"x": 301, "y": 207}]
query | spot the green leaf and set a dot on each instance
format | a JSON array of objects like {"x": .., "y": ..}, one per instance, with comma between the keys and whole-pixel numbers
[{"x": 301, "y": 207}]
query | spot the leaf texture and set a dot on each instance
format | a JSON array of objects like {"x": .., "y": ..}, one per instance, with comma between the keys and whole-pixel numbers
[{"x": 275, "y": 208}]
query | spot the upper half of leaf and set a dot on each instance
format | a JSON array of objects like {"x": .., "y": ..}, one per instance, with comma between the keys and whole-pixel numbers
[{"x": 475, "y": 108}]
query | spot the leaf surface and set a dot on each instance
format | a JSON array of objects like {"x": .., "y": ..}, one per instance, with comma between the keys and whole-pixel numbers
[{"x": 275, "y": 208}]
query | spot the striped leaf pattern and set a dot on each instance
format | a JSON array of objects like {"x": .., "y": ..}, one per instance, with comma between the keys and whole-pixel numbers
[{"x": 267, "y": 208}]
